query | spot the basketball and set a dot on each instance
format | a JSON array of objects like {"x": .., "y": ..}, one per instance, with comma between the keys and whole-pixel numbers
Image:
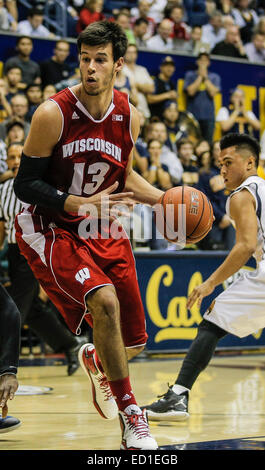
[{"x": 184, "y": 214}]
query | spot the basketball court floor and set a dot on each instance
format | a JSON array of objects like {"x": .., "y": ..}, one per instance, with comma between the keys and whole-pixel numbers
[{"x": 227, "y": 406}]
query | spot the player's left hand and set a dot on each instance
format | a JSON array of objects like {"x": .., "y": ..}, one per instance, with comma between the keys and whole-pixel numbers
[
  {"x": 8, "y": 387},
  {"x": 197, "y": 295}
]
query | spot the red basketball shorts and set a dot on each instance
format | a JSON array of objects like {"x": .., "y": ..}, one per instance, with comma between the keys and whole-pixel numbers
[{"x": 69, "y": 268}]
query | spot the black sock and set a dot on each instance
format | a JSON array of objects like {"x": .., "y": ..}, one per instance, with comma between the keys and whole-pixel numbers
[{"x": 200, "y": 353}]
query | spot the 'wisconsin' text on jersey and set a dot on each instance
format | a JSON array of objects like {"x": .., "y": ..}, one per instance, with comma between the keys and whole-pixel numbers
[
  {"x": 90, "y": 144},
  {"x": 90, "y": 155}
]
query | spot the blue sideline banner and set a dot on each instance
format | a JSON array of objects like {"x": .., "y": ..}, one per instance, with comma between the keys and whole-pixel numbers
[{"x": 165, "y": 280}]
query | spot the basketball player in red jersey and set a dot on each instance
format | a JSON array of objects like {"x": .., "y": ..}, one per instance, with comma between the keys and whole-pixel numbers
[{"x": 79, "y": 152}]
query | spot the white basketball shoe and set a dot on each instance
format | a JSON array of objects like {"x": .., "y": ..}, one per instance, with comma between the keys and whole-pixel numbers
[
  {"x": 100, "y": 392},
  {"x": 135, "y": 430}
]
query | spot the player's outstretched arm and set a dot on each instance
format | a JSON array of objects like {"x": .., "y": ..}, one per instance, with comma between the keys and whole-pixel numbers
[{"x": 245, "y": 246}]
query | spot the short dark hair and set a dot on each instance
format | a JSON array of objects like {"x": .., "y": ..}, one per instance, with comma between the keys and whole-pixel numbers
[
  {"x": 241, "y": 142},
  {"x": 20, "y": 38},
  {"x": 153, "y": 140},
  {"x": 20, "y": 143},
  {"x": 139, "y": 21},
  {"x": 103, "y": 33},
  {"x": 33, "y": 85},
  {"x": 184, "y": 141},
  {"x": 11, "y": 67},
  {"x": 35, "y": 11}
]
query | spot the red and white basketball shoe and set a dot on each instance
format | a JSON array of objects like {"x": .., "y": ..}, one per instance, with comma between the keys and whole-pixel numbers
[
  {"x": 135, "y": 430},
  {"x": 100, "y": 392}
]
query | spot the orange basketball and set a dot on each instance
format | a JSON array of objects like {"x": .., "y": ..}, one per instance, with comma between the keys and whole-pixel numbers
[{"x": 184, "y": 214}]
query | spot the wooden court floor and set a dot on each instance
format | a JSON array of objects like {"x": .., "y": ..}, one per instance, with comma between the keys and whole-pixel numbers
[{"x": 227, "y": 407}]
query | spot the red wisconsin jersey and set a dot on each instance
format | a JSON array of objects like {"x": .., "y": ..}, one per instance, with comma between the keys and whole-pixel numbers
[{"x": 91, "y": 154}]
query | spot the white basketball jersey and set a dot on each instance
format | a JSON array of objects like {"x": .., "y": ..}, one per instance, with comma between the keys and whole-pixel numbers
[{"x": 256, "y": 186}]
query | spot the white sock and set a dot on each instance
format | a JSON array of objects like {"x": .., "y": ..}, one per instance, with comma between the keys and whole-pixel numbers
[
  {"x": 133, "y": 409},
  {"x": 178, "y": 389}
]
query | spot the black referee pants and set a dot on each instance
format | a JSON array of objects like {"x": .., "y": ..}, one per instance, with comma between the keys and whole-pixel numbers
[{"x": 43, "y": 319}]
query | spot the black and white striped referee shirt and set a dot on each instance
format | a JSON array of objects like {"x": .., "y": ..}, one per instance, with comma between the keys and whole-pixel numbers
[{"x": 10, "y": 206}]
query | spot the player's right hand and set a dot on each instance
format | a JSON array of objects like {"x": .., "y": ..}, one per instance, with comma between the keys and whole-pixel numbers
[{"x": 105, "y": 203}]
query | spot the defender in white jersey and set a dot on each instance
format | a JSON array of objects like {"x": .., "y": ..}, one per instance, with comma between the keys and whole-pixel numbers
[{"x": 240, "y": 309}]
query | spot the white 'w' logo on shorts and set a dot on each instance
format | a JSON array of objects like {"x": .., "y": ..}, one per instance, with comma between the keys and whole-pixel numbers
[{"x": 82, "y": 275}]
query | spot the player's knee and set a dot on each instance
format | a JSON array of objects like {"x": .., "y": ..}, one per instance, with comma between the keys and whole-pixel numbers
[
  {"x": 104, "y": 304},
  {"x": 210, "y": 327},
  {"x": 133, "y": 352}
]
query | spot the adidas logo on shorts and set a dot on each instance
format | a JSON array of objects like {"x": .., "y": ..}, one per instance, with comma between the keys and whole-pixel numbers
[{"x": 75, "y": 116}]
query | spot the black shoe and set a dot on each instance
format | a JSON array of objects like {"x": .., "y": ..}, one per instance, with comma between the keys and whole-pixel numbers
[
  {"x": 8, "y": 424},
  {"x": 72, "y": 355},
  {"x": 169, "y": 407}
]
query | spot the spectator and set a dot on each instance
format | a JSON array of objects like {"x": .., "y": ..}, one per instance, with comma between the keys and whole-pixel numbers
[
  {"x": 245, "y": 18},
  {"x": 142, "y": 12},
  {"x": 7, "y": 21},
  {"x": 11, "y": 6},
  {"x": 158, "y": 131},
  {"x": 228, "y": 20},
  {"x": 34, "y": 95},
  {"x": 13, "y": 80},
  {"x": 201, "y": 86},
  {"x": 213, "y": 32},
  {"x": 5, "y": 108},
  {"x": 171, "y": 118},
  {"x": 140, "y": 152},
  {"x": 123, "y": 20},
  {"x": 210, "y": 6},
  {"x": 162, "y": 41},
  {"x": 196, "y": 12},
  {"x": 194, "y": 44},
  {"x": 48, "y": 91},
  {"x": 261, "y": 25},
  {"x": 19, "y": 109},
  {"x": 30, "y": 69},
  {"x": 142, "y": 79},
  {"x": 201, "y": 146},
  {"x": 33, "y": 26},
  {"x": 165, "y": 88},
  {"x": 235, "y": 117},
  {"x": 157, "y": 174},
  {"x": 156, "y": 10},
  {"x": 140, "y": 28},
  {"x": 225, "y": 6},
  {"x": 255, "y": 49},
  {"x": 180, "y": 30},
  {"x": 127, "y": 85},
  {"x": 232, "y": 45},
  {"x": 15, "y": 131},
  {"x": 222, "y": 235},
  {"x": 91, "y": 12},
  {"x": 179, "y": 124},
  {"x": 190, "y": 175},
  {"x": 55, "y": 69}
]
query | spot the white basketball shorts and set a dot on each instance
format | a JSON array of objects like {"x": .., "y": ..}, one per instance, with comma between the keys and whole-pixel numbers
[{"x": 240, "y": 309}]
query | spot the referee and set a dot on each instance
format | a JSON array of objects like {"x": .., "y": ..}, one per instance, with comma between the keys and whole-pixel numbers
[{"x": 41, "y": 317}]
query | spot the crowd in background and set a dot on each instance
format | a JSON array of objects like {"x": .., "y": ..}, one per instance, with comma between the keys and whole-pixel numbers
[{"x": 175, "y": 147}]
